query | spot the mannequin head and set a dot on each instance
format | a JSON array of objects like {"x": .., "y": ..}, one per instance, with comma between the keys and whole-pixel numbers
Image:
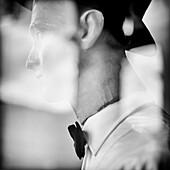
[{"x": 76, "y": 55}]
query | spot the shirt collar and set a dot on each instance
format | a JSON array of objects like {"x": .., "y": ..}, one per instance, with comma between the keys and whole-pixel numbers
[{"x": 99, "y": 126}]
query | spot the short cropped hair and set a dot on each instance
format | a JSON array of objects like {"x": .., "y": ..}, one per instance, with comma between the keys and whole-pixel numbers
[{"x": 115, "y": 12}]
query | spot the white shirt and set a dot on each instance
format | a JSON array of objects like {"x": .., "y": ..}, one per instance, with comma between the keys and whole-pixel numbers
[{"x": 124, "y": 134}]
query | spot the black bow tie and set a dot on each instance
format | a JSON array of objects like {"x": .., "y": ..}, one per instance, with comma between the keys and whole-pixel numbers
[{"x": 79, "y": 139}]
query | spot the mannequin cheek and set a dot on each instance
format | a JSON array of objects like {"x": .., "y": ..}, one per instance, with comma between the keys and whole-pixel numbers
[
  {"x": 60, "y": 69},
  {"x": 56, "y": 52}
]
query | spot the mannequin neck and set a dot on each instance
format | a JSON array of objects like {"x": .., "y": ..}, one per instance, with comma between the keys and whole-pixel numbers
[{"x": 98, "y": 80}]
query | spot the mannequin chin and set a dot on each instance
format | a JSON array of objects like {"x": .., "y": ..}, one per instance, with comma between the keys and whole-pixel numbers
[{"x": 65, "y": 92}]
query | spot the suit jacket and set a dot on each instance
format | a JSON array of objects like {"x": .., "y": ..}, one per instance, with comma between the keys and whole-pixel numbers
[{"x": 135, "y": 140}]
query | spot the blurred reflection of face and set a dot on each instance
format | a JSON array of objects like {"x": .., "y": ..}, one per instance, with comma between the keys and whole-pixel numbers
[{"x": 54, "y": 55}]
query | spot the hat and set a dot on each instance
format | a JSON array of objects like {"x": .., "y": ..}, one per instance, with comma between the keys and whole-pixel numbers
[{"x": 115, "y": 12}]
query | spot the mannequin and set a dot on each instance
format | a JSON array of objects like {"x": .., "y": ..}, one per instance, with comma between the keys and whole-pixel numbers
[{"x": 78, "y": 56}]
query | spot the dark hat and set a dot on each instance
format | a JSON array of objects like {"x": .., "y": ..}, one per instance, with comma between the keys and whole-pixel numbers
[{"x": 115, "y": 12}]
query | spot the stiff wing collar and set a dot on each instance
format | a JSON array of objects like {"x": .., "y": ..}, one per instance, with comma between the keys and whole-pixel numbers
[{"x": 100, "y": 126}]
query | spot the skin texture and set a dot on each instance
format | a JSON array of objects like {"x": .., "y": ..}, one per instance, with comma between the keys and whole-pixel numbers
[{"x": 61, "y": 36}]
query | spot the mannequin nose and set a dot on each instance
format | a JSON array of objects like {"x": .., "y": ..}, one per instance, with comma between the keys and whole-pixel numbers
[{"x": 33, "y": 61}]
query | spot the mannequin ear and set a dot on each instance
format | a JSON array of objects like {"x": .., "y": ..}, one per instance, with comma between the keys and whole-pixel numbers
[{"x": 92, "y": 22}]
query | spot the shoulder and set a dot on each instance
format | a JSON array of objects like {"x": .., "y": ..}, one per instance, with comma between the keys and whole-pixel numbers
[
  {"x": 150, "y": 120},
  {"x": 135, "y": 151},
  {"x": 146, "y": 145}
]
